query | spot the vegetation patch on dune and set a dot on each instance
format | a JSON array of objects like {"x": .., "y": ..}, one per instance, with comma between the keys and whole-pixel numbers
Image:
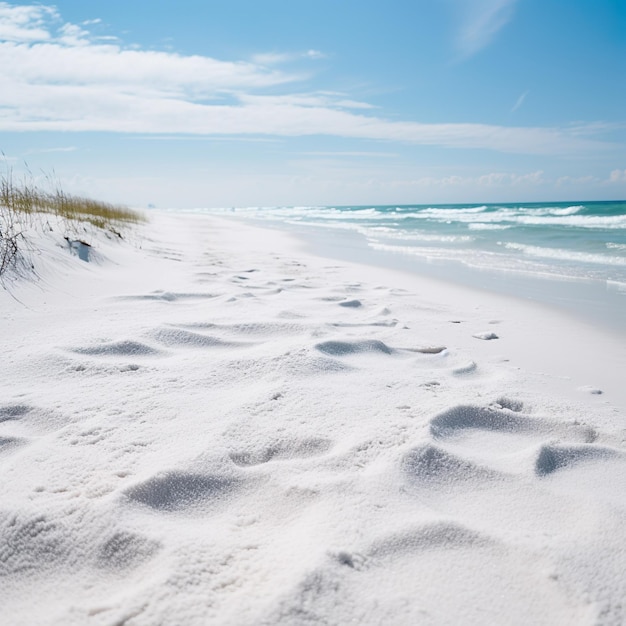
[{"x": 25, "y": 206}]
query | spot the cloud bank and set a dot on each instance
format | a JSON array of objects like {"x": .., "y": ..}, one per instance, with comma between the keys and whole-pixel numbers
[{"x": 56, "y": 76}]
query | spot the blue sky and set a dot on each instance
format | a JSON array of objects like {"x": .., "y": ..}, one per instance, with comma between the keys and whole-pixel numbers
[{"x": 192, "y": 103}]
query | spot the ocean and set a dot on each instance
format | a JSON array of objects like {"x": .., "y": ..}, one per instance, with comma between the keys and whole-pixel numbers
[{"x": 568, "y": 254}]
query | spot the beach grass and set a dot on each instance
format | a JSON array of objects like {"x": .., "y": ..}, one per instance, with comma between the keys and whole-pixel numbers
[{"x": 24, "y": 204}]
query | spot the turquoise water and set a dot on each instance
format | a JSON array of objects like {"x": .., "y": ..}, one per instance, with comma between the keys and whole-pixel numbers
[
  {"x": 567, "y": 254},
  {"x": 578, "y": 240}
]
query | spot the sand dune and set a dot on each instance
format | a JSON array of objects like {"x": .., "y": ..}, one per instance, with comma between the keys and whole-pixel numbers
[{"x": 214, "y": 426}]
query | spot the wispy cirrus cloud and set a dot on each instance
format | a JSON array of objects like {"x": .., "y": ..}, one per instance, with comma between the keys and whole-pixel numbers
[
  {"x": 51, "y": 150},
  {"x": 519, "y": 102},
  {"x": 349, "y": 153},
  {"x": 479, "y": 22},
  {"x": 56, "y": 76}
]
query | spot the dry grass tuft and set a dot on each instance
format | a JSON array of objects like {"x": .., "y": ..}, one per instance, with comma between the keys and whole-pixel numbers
[{"x": 23, "y": 204}]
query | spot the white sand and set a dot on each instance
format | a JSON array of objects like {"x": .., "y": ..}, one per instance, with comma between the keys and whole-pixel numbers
[{"x": 211, "y": 426}]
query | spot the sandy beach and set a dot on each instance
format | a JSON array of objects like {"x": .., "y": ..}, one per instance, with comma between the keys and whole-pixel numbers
[{"x": 208, "y": 424}]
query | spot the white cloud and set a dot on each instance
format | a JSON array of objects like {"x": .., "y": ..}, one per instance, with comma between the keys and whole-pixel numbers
[
  {"x": 25, "y": 23},
  {"x": 499, "y": 179},
  {"x": 480, "y": 21},
  {"x": 72, "y": 35},
  {"x": 617, "y": 176},
  {"x": 151, "y": 108},
  {"x": 489, "y": 180},
  {"x": 276, "y": 58},
  {"x": 59, "y": 78},
  {"x": 568, "y": 181},
  {"x": 61, "y": 69}
]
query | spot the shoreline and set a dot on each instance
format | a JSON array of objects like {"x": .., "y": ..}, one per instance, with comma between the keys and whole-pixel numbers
[{"x": 588, "y": 300}]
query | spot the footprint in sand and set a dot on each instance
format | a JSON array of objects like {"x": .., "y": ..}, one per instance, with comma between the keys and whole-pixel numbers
[
  {"x": 242, "y": 296},
  {"x": 552, "y": 458},
  {"x": 426, "y": 575},
  {"x": 118, "y": 348},
  {"x": 432, "y": 467},
  {"x": 247, "y": 329},
  {"x": 337, "y": 299},
  {"x": 20, "y": 420},
  {"x": 344, "y": 348},
  {"x": 168, "y": 296},
  {"x": 471, "y": 423},
  {"x": 178, "y": 491},
  {"x": 30, "y": 542},
  {"x": 10, "y": 444},
  {"x": 496, "y": 437},
  {"x": 379, "y": 323},
  {"x": 125, "y": 550},
  {"x": 281, "y": 450},
  {"x": 436, "y": 535},
  {"x": 351, "y": 304},
  {"x": 13, "y": 411},
  {"x": 175, "y": 337},
  {"x": 586, "y": 471}
]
